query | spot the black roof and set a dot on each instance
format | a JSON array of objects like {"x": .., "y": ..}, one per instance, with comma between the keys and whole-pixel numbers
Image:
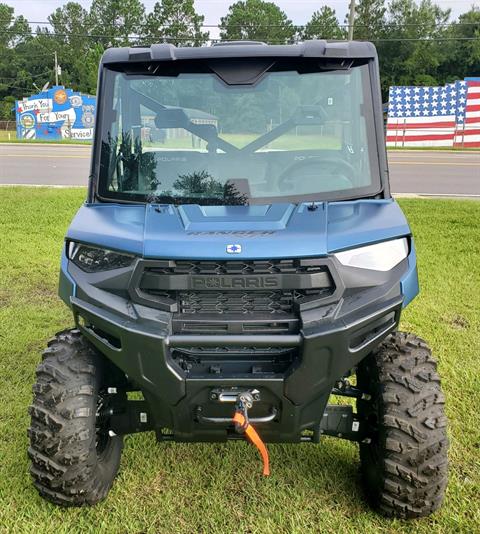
[{"x": 242, "y": 49}]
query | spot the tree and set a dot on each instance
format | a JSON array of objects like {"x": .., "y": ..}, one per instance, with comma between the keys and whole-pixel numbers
[
  {"x": 116, "y": 22},
  {"x": 463, "y": 58},
  {"x": 323, "y": 25},
  {"x": 35, "y": 62},
  {"x": 415, "y": 52},
  {"x": 13, "y": 30},
  {"x": 176, "y": 22},
  {"x": 7, "y": 106},
  {"x": 369, "y": 20},
  {"x": 87, "y": 69},
  {"x": 256, "y": 20},
  {"x": 71, "y": 25}
]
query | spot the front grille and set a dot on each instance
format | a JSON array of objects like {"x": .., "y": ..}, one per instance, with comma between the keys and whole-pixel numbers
[
  {"x": 255, "y": 362},
  {"x": 289, "y": 266},
  {"x": 245, "y": 303},
  {"x": 266, "y": 291}
]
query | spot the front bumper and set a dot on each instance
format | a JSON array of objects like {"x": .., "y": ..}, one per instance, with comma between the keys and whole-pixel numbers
[{"x": 333, "y": 340}]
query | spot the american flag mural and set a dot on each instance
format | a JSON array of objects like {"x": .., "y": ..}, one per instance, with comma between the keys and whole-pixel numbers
[
  {"x": 467, "y": 133},
  {"x": 435, "y": 116}
]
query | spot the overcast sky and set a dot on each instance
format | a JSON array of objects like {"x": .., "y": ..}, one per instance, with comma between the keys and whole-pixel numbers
[{"x": 299, "y": 11}]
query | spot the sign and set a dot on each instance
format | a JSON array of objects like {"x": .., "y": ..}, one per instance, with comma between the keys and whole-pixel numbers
[
  {"x": 57, "y": 113},
  {"x": 68, "y": 115},
  {"x": 446, "y": 116},
  {"x": 40, "y": 104},
  {"x": 77, "y": 133}
]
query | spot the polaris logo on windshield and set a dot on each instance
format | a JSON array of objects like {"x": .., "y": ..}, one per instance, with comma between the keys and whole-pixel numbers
[
  {"x": 234, "y": 249},
  {"x": 234, "y": 282}
]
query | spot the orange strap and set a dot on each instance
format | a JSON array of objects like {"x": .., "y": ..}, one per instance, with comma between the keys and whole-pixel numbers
[{"x": 252, "y": 435}]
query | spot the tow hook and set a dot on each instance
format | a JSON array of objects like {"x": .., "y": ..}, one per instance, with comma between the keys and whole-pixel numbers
[
  {"x": 243, "y": 426},
  {"x": 243, "y": 403},
  {"x": 243, "y": 400},
  {"x": 235, "y": 396}
]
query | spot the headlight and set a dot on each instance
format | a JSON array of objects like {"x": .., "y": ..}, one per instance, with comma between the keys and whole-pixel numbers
[
  {"x": 380, "y": 257},
  {"x": 93, "y": 259}
]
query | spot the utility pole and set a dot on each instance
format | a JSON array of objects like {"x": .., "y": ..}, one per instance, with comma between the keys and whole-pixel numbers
[
  {"x": 351, "y": 19},
  {"x": 56, "y": 68}
]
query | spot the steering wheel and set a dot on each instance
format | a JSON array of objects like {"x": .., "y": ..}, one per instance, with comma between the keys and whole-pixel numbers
[{"x": 300, "y": 170}]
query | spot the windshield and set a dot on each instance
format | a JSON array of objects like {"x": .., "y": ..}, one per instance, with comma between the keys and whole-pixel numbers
[{"x": 191, "y": 137}]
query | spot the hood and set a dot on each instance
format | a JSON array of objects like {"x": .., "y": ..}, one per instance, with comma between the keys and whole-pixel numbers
[{"x": 257, "y": 232}]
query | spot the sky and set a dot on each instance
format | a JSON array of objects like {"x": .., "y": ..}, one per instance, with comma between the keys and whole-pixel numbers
[{"x": 299, "y": 11}]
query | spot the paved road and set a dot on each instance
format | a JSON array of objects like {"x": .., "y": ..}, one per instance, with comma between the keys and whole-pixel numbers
[
  {"x": 434, "y": 173},
  {"x": 44, "y": 164}
]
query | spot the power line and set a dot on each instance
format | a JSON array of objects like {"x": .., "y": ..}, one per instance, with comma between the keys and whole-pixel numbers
[
  {"x": 182, "y": 37},
  {"x": 426, "y": 39},
  {"x": 34, "y": 56},
  {"x": 30, "y": 75},
  {"x": 219, "y": 26},
  {"x": 26, "y": 83}
]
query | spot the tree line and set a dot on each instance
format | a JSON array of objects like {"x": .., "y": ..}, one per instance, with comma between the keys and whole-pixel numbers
[{"x": 417, "y": 43}]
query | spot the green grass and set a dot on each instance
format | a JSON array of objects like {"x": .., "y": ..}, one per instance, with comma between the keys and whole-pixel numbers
[
  {"x": 287, "y": 141},
  {"x": 176, "y": 488},
  {"x": 284, "y": 142},
  {"x": 13, "y": 139},
  {"x": 5, "y": 133}
]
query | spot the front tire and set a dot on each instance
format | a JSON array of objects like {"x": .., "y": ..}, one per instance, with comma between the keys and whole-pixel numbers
[
  {"x": 74, "y": 460},
  {"x": 404, "y": 467}
]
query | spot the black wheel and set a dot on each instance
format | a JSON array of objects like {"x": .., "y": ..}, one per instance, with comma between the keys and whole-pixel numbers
[
  {"x": 74, "y": 459},
  {"x": 404, "y": 467}
]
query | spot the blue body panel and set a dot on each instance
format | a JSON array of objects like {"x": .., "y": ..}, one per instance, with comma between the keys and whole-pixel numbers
[
  {"x": 353, "y": 224},
  {"x": 117, "y": 226},
  {"x": 272, "y": 231},
  {"x": 281, "y": 230}
]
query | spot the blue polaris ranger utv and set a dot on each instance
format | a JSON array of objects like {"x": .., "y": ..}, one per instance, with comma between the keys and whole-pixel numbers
[{"x": 239, "y": 261}]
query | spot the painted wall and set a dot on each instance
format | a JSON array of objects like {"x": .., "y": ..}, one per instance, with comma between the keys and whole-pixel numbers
[
  {"x": 447, "y": 116},
  {"x": 56, "y": 113}
]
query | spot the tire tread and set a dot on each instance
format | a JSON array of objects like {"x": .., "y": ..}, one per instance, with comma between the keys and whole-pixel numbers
[
  {"x": 65, "y": 465},
  {"x": 405, "y": 467}
]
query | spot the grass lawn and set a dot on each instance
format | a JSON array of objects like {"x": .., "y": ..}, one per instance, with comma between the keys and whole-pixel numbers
[
  {"x": 13, "y": 139},
  {"x": 288, "y": 141},
  {"x": 8, "y": 135},
  {"x": 175, "y": 488}
]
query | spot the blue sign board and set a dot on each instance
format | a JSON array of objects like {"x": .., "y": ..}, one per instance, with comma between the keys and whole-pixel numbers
[{"x": 56, "y": 113}]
